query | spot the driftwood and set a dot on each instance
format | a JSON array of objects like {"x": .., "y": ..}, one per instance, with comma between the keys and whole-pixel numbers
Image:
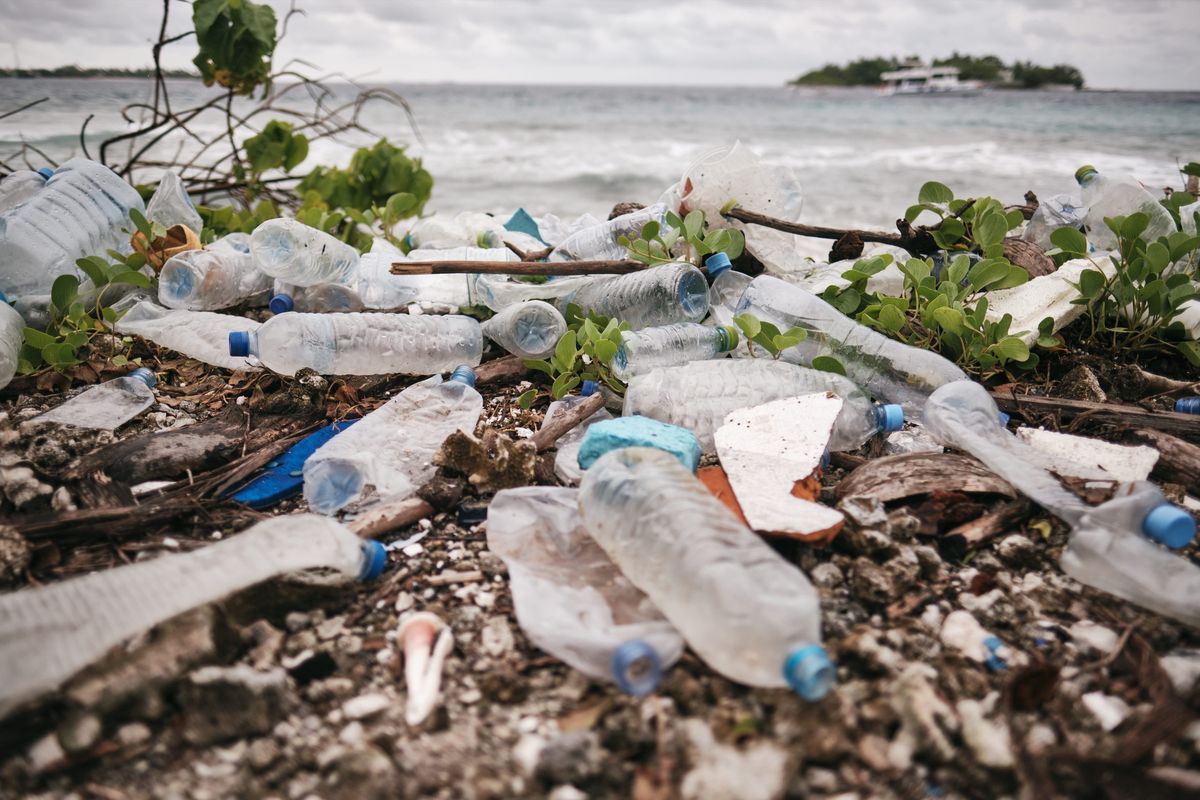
[
  {"x": 908, "y": 474},
  {"x": 822, "y": 232},
  {"x": 1028, "y": 256},
  {"x": 621, "y": 267},
  {"x": 1178, "y": 461},
  {"x": 390, "y": 516},
  {"x": 998, "y": 521},
  {"x": 1187, "y": 425},
  {"x": 501, "y": 369},
  {"x": 547, "y": 436}
]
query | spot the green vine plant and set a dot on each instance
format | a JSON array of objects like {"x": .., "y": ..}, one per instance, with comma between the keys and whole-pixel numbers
[
  {"x": 584, "y": 352},
  {"x": 682, "y": 239},
  {"x": 965, "y": 224},
  {"x": 767, "y": 335}
]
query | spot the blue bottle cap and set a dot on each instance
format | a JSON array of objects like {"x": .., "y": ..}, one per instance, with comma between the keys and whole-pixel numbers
[
  {"x": 588, "y": 388},
  {"x": 717, "y": 263},
  {"x": 46, "y": 172},
  {"x": 3, "y": 297},
  {"x": 1188, "y": 405},
  {"x": 1169, "y": 525},
  {"x": 826, "y": 460},
  {"x": 994, "y": 661},
  {"x": 281, "y": 304},
  {"x": 809, "y": 671},
  {"x": 1004, "y": 418},
  {"x": 463, "y": 374},
  {"x": 145, "y": 376},
  {"x": 239, "y": 343},
  {"x": 636, "y": 668},
  {"x": 891, "y": 417},
  {"x": 375, "y": 559}
]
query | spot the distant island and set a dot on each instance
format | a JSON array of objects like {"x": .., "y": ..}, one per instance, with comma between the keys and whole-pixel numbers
[
  {"x": 983, "y": 70},
  {"x": 94, "y": 72}
]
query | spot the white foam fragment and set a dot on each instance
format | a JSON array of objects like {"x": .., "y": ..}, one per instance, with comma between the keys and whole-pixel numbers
[
  {"x": 1044, "y": 296},
  {"x": 1091, "y": 459}
]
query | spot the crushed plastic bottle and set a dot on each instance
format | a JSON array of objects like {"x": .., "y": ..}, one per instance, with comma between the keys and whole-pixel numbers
[
  {"x": 698, "y": 396},
  {"x": 21, "y": 185},
  {"x": 380, "y": 289},
  {"x": 106, "y": 406},
  {"x": 82, "y": 210},
  {"x": 569, "y": 598},
  {"x": 498, "y": 292},
  {"x": 528, "y": 330},
  {"x": 295, "y": 253},
  {"x": 170, "y": 204},
  {"x": 1119, "y": 196},
  {"x": 742, "y": 608},
  {"x": 12, "y": 337},
  {"x": 49, "y": 633},
  {"x": 659, "y": 295},
  {"x": 599, "y": 242},
  {"x": 324, "y": 298},
  {"x": 361, "y": 344},
  {"x": 668, "y": 345},
  {"x": 202, "y": 335},
  {"x": 566, "y": 458},
  {"x": 883, "y": 367},
  {"x": 1059, "y": 211},
  {"x": 220, "y": 276},
  {"x": 392, "y": 448}
]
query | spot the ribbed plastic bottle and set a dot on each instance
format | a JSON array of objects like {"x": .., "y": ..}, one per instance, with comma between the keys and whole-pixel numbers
[
  {"x": 12, "y": 337},
  {"x": 392, "y": 448},
  {"x": 528, "y": 330},
  {"x": 599, "y": 242},
  {"x": 202, "y": 335},
  {"x": 742, "y": 608},
  {"x": 219, "y": 276},
  {"x": 498, "y": 292},
  {"x": 83, "y": 210},
  {"x": 49, "y": 633},
  {"x": 380, "y": 289},
  {"x": 1119, "y": 196},
  {"x": 884, "y": 368},
  {"x": 725, "y": 288},
  {"x": 295, "y": 253},
  {"x": 1187, "y": 405},
  {"x": 1059, "y": 211},
  {"x": 656, "y": 296},
  {"x": 361, "y": 344},
  {"x": 21, "y": 185},
  {"x": 570, "y": 600},
  {"x": 698, "y": 396},
  {"x": 324, "y": 298},
  {"x": 106, "y": 406},
  {"x": 668, "y": 345}
]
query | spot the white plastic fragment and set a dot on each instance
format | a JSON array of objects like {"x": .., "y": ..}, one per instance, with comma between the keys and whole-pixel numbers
[
  {"x": 913, "y": 439},
  {"x": 1044, "y": 296},
  {"x": 425, "y": 641},
  {"x": 1111, "y": 711},
  {"x": 765, "y": 450},
  {"x": 1091, "y": 638},
  {"x": 1091, "y": 459},
  {"x": 989, "y": 741},
  {"x": 1183, "y": 668},
  {"x": 963, "y": 632}
]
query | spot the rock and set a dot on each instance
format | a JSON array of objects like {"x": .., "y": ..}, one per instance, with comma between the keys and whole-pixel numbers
[
  {"x": 570, "y": 757},
  {"x": 15, "y": 553},
  {"x": 262, "y": 753},
  {"x": 296, "y": 621},
  {"x": 872, "y": 583},
  {"x": 365, "y": 706},
  {"x": 1110, "y": 711},
  {"x": 444, "y": 492},
  {"x": 924, "y": 717},
  {"x": 722, "y": 772},
  {"x": 1018, "y": 551},
  {"x": 362, "y": 774},
  {"x": 566, "y": 792},
  {"x": 527, "y": 751},
  {"x": 989, "y": 741},
  {"x": 79, "y": 732},
  {"x": 491, "y": 564},
  {"x": 45, "y": 754},
  {"x": 826, "y": 575},
  {"x": 1183, "y": 668},
  {"x": 1093, "y": 639},
  {"x": 222, "y": 703},
  {"x": 496, "y": 637},
  {"x": 1081, "y": 384},
  {"x": 491, "y": 463},
  {"x": 133, "y": 734},
  {"x": 865, "y": 512},
  {"x": 932, "y": 568}
]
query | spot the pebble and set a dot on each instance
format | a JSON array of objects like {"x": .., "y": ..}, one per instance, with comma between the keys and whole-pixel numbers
[
  {"x": 77, "y": 734},
  {"x": 826, "y": 575},
  {"x": 364, "y": 706},
  {"x": 352, "y": 735},
  {"x": 262, "y": 753},
  {"x": 1093, "y": 639},
  {"x": 1110, "y": 711},
  {"x": 133, "y": 734},
  {"x": 496, "y": 637},
  {"x": 485, "y": 599}
]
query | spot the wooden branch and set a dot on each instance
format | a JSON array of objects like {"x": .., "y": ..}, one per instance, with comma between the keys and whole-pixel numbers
[
  {"x": 547, "y": 436},
  {"x": 517, "y": 267},
  {"x": 390, "y": 516},
  {"x": 818, "y": 231},
  {"x": 1178, "y": 462},
  {"x": 500, "y": 369},
  {"x": 992, "y": 524},
  {"x": 1187, "y": 425}
]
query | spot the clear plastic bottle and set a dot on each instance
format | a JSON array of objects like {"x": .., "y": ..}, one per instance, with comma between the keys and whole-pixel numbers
[
  {"x": 498, "y": 292},
  {"x": 170, "y": 204},
  {"x": 1059, "y": 211},
  {"x": 668, "y": 345},
  {"x": 566, "y": 456},
  {"x": 19, "y": 186},
  {"x": 883, "y": 367},
  {"x": 655, "y": 296},
  {"x": 361, "y": 344},
  {"x": 392, "y": 448},
  {"x": 698, "y": 396},
  {"x": 293, "y": 252},
  {"x": 1119, "y": 196},
  {"x": 569, "y": 598},
  {"x": 742, "y": 608},
  {"x": 82, "y": 210},
  {"x": 12, "y": 337},
  {"x": 220, "y": 276},
  {"x": 726, "y": 287},
  {"x": 106, "y": 406},
  {"x": 528, "y": 330},
  {"x": 468, "y": 228},
  {"x": 49, "y": 633},
  {"x": 599, "y": 242},
  {"x": 324, "y": 298},
  {"x": 380, "y": 289},
  {"x": 202, "y": 335}
]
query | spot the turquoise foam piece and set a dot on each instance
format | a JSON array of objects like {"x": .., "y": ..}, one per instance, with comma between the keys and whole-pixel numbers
[
  {"x": 636, "y": 431},
  {"x": 521, "y": 222}
]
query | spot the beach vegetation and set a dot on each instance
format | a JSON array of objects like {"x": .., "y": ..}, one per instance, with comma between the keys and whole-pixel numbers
[
  {"x": 688, "y": 238},
  {"x": 584, "y": 352}
]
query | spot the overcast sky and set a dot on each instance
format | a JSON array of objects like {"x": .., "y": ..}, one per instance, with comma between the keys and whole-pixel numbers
[{"x": 1126, "y": 44}]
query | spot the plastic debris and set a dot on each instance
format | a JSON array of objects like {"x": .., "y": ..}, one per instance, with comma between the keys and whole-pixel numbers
[
  {"x": 1187, "y": 405},
  {"x": 425, "y": 642},
  {"x": 1059, "y": 211},
  {"x": 1111, "y": 711},
  {"x": 21, "y": 185},
  {"x": 1044, "y": 296},
  {"x": 655, "y": 296},
  {"x": 107, "y": 405},
  {"x": 600, "y": 241},
  {"x": 219, "y": 276},
  {"x": 668, "y": 345},
  {"x": 1109, "y": 196},
  {"x": 566, "y": 458},
  {"x": 12, "y": 337},
  {"x": 283, "y": 478},
  {"x": 637, "y": 431},
  {"x": 529, "y": 330},
  {"x": 170, "y": 204},
  {"x": 1082, "y": 457},
  {"x": 962, "y": 631},
  {"x": 202, "y": 335},
  {"x": 293, "y": 252}
]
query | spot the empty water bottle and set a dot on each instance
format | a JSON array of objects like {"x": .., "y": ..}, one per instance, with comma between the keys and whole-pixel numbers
[
  {"x": 1119, "y": 196},
  {"x": 202, "y": 335},
  {"x": 219, "y": 276},
  {"x": 21, "y": 185},
  {"x": 726, "y": 287},
  {"x": 566, "y": 457},
  {"x": 49, "y": 633},
  {"x": 698, "y": 396},
  {"x": 361, "y": 344},
  {"x": 83, "y": 210},
  {"x": 12, "y": 337},
  {"x": 392, "y": 448},
  {"x": 498, "y": 292},
  {"x": 569, "y": 598},
  {"x": 381, "y": 289},
  {"x": 528, "y": 330},
  {"x": 883, "y": 367},
  {"x": 108, "y": 405},
  {"x": 655, "y": 296},
  {"x": 324, "y": 298},
  {"x": 1187, "y": 405},
  {"x": 293, "y": 252},
  {"x": 170, "y": 204},
  {"x": 600, "y": 241},
  {"x": 742, "y": 608},
  {"x": 1059, "y": 211},
  {"x": 469, "y": 228},
  {"x": 668, "y": 345}
]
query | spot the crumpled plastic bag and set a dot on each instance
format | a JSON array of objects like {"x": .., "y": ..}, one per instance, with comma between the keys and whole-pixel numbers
[{"x": 171, "y": 205}]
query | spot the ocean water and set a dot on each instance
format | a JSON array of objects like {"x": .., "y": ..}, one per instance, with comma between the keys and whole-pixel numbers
[{"x": 568, "y": 150}]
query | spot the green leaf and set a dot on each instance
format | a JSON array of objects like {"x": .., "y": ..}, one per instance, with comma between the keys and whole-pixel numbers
[
  {"x": 828, "y": 364},
  {"x": 1091, "y": 283},
  {"x": 1011, "y": 348},
  {"x": 934, "y": 192},
  {"x": 693, "y": 223},
  {"x": 990, "y": 230},
  {"x": 38, "y": 339},
  {"x": 951, "y": 229},
  {"x": 95, "y": 268},
  {"x": 63, "y": 291},
  {"x": 541, "y": 365},
  {"x": 891, "y": 319},
  {"x": 650, "y": 230},
  {"x": 132, "y": 278},
  {"x": 563, "y": 384},
  {"x": 949, "y": 319},
  {"x": 59, "y": 354},
  {"x": 846, "y": 301},
  {"x": 139, "y": 222},
  {"x": 783, "y": 342},
  {"x": 296, "y": 152},
  {"x": 1157, "y": 256},
  {"x": 400, "y": 205},
  {"x": 749, "y": 324},
  {"x": 987, "y": 272},
  {"x": 1190, "y": 350},
  {"x": 526, "y": 399},
  {"x": 605, "y": 350},
  {"x": 567, "y": 350}
]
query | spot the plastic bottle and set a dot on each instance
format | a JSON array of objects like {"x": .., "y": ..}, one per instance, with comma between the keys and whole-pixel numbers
[
  {"x": 742, "y": 608},
  {"x": 884, "y": 368},
  {"x": 498, "y": 292},
  {"x": 569, "y": 598},
  {"x": 324, "y": 298},
  {"x": 392, "y": 448},
  {"x": 170, "y": 204},
  {"x": 1059, "y": 211},
  {"x": 655, "y": 296},
  {"x": 83, "y": 210},
  {"x": 1119, "y": 196},
  {"x": 698, "y": 396},
  {"x": 361, "y": 344},
  {"x": 528, "y": 330},
  {"x": 293, "y": 252},
  {"x": 726, "y": 287},
  {"x": 468, "y": 228},
  {"x": 49, "y": 633},
  {"x": 219, "y": 276},
  {"x": 566, "y": 457},
  {"x": 668, "y": 345},
  {"x": 380, "y": 289},
  {"x": 1187, "y": 405},
  {"x": 202, "y": 335},
  {"x": 599, "y": 242},
  {"x": 12, "y": 337},
  {"x": 19, "y": 186},
  {"x": 106, "y": 406}
]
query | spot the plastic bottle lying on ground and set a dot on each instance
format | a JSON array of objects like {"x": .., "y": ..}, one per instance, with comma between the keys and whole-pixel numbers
[
  {"x": 202, "y": 335},
  {"x": 528, "y": 330},
  {"x": 883, "y": 367},
  {"x": 1119, "y": 196},
  {"x": 599, "y": 242},
  {"x": 668, "y": 345},
  {"x": 21, "y": 185},
  {"x": 498, "y": 292},
  {"x": 324, "y": 298},
  {"x": 12, "y": 337},
  {"x": 656, "y": 296},
  {"x": 1059, "y": 211},
  {"x": 698, "y": 396},
  {"x": 361, "y": 344},
  {"x": 49, "y": 633},
  {"x": 295, "y": 253},
  {"x": 219, "y": 276},
  {"x": 742, "y": 608},
  {"x": 106, "y": 406},
  {"x": 381, "y": 289},
  {"x": 570, "y": 600},
  {"x": 725, "y": 289},
  {"x": 392, "y": 448},
  {"x": 468, "y": 228}
]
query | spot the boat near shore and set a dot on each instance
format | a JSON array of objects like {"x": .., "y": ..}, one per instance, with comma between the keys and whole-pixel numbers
[{"x": 916, "y": 78}]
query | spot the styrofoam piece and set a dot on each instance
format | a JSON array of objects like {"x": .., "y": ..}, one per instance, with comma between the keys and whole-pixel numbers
[
  {"x": 767, "y": 450},
  {"x": 1044, "y": 296},
  {"x": 638, "y": 431},
  {"x": 1091, "y": 459}
]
